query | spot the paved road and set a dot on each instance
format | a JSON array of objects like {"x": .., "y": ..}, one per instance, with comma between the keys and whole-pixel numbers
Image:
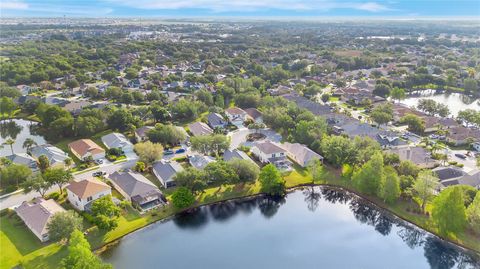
[{"x": 19, "y": 198}]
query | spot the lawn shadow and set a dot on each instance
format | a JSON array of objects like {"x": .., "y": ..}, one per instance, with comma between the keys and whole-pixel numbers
[{"x": 18, "y": 233}]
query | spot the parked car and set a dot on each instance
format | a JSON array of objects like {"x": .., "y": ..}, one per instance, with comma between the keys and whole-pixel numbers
[
  {"x": 100, "y": 161},
  {"x": 99, "y": 174},
  {"x": 168, "y": 152},
  {"x": 180, "y": 150},
  {"x": 461, "y": 156}
]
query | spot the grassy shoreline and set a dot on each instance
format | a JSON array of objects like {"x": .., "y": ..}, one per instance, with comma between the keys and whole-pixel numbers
[{"x": 48, "y": 255}]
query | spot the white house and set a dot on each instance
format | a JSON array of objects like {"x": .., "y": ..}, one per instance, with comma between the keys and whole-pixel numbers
[
  {"x": 117, "y": 140},
  {"x": 55, "y": 156},
  {"x": 268, "y": 152},
  {"x": 236, "y": 116},
  {"x": 37, "y": 214},
  {"x": 81, "y": 194}
]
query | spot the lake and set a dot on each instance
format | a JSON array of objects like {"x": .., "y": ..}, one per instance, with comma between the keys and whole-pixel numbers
[
  {"x": 18, "y": 130},
  {"x": 455, "y": 101},
  {"x": 321, "y": 227}
]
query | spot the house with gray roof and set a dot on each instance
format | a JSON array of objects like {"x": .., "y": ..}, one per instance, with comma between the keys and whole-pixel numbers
[
  {"x": 55, "y": 156},
  {"x": 136, "y": 188},
  {"x": 165, "y": 171},
  {"x": 216, "y": 120},
  {"x": 200, "y": 128},
  {"x": 268, "y": 151},
  {"x": 117, "y": 140},
  {"x": 24, "y": 159},
  {"x": 37, "y": 214},
  {"x": 235, "y": 154},
  {"x": 141, "y": 133},
  {"x": 200, "y": 161},
  {"x": 418, "y": 155},
  {"x": 301, "y": 154}
]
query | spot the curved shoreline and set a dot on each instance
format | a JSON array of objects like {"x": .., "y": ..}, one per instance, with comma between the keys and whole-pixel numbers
[{"x": 106, "y": 246}]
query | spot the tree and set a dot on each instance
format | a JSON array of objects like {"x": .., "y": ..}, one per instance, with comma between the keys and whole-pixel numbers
[
  {"x": 382, "y": 90},
  {"x": 80, "y": 255},
  {"x": 120, "y": 119},
  {"x": 139, "y": 167},
  {"x": 14, "y": 174},
  {"x": 471, "y": 86},
  {"x": 271, "y": 180},
  {"x": 325, "y": 97},
  {"x": 382, "y": 114},
  {"x": 246, "y": 170},
  {"x": 370, "y": 178},
  {"x": 149, "y": 152},
  {"x": 191, "y": 178},
  {"x": 58, "y": 176},
  {"x": 91, "y": 92},
  {"x": 391, "y": 189},
  {"x": 425, "y": 186},
  {"x": 315, "y": 167},
  {"x": 182, "y": 198},
  {"x": 43, "y": 163},
  {"x": 207, "y": 144},
  {"x": 105, "y": 213},
  {"x": 415, "y": 123},
  {"x": 166, "y": 134},
  {"x": 160, "y": 114},
  {"x": 10, "y": 142},
  {"x": 29, "y": 144},
  {"x": 36, "y": 183},
  {"x": 68, "y": 162},
  {"x": 62, "y": 224},
  {"x": 338, "y": 150},
  {"x": 473, "y": 213},
  {"x": 220, "y": 172},
  {"x": 448, "y": 211},
  {"x": 397, "y": 94},
  {"x": 7, "y": 107},
  {"x": 72, "y": 83},
  {"x": 113, "y": 92}
]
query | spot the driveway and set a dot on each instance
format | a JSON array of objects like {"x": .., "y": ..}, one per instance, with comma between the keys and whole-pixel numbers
[
  {"x": 469, "y": 164},
  {"x": 239, "y": 137}
]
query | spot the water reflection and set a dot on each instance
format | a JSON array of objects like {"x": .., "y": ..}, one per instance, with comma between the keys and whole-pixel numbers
[
  {"x": 10, "y": 129},
  {"x": 312, "y": 198},
  {"x": 193, "y": 219},
  {"x": 18, "y": 130}
]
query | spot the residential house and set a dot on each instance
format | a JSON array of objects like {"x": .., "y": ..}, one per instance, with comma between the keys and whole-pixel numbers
[
  {"x": 476, "y": 146},
  {"x": 141, "y": 133},
  {"x": 255, "y": 115},
  {"x": 37, "y": 214},
  {"x": 235, "y": 154},
  {"x": 76, "y": 107},
  {"x": 279, "y": 90},
  {"x": 236, "y": 116},
  {"x": 165, "y": 171},
  {"x": 137, "y": 189},
  {"x": 456, "y": 176},
  {"x": 55, "y": 156},
  {"x": 268, "y": 152},
  {"x": 200, "y": 161},
  {"x": 433, "y": 123},
  {"x": 82, "y": 194},
  {"x": 216, "y": 120},
  {"x": 86, "y": 148},
  {"x": 24, "y": 89},
  {"x": 418, "y": 155},
  {"x": 199, "y": 128},
  {"x": 301, "y": 154},
  {"x": 24, "y": 159},
  {"x": 117, "y": 140},
  {"x": 461, "y": 135}
]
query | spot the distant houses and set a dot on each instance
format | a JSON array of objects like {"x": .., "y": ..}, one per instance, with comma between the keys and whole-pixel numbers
[
  {"x": 117, "y": 140},
  {"x": 37, "y": 214},
  {"x": 199, "y": 128},
  {"x": 137, "y": 189},
  {"x": 55, "y": 156},
  {"x": 82, "y": 194},
  {"x": 86, "y": 148},
  {"x": 165, "y": 171}
]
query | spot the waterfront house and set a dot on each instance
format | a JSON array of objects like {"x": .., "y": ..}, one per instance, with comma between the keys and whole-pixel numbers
[
  {"x": 268, "y": 152},
  {"x": 37, "y": 214},
  {"x": 117, "y": 140},
  {"x": 418, "y": 155},
  {"x": 235, "y": 154},
  {"x": 85, "y": 148},
  {"x": 81, "y": 194},
  {"x": 165, "y": 171},
  {"x": 137, "y": 189},
  {"x": 55, "y": 156},
  {"x": 301, "y": 154},
  {"x": 24, "y": 159}
]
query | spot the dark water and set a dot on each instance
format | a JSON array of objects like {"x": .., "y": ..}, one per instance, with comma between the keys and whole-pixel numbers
[{"x": 319, "y": 228}]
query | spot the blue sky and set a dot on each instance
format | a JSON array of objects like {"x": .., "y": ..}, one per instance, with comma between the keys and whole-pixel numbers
[{"x": 243, "y": 8}]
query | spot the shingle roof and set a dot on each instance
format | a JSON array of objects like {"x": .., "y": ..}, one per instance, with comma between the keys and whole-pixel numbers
[
  {"x": 133, "y": 183},
  {"x": 37, "y": 214},
  {"x": 23, "y": 158},
  {"x": 301, "y": 153},
  {"x": 87, "y": 187},
  {"x": 167, "y": 169},
  {"x": 215, "y": 119},
  {"x": 142, "y": 131},
  {"x": 200, "y": 161},
  {"x": 446, "y": 173},
  {"x": 54, "y": 154},
  {"x": 84, "y": 146},
  {"x": 115, "y": 140},
  {"x": 268, "y": 147},
  {"x": 235, "y": 111},
  {"x": 253, "y": 112},
  {"x": 200, "y": 128}
]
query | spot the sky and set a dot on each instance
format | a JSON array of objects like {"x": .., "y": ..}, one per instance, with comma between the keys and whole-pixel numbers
[{"x": 241, "y": 8}]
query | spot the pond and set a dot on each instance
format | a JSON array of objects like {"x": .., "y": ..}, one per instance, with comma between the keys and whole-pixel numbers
[
  {"x": 319, "y": 227},
  {"x": 18, "y": 130},
  {"x": 455, "y": 101}
]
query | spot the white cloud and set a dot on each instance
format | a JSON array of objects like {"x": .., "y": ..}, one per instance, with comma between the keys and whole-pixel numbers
[
  {"x": 13, "y": 5},
  {"x": 252, "y": 5}
]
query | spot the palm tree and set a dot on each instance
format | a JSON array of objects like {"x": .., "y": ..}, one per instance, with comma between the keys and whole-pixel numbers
[
  {"x": 28, "y": 144},
  {"x": 10, "y": 142},
  {"x": 68, "y": 162}
]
